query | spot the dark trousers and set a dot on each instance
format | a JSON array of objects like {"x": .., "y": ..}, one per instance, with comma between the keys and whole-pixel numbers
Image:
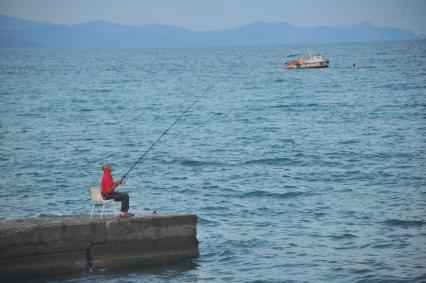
[{"x": 118, "y": 196}]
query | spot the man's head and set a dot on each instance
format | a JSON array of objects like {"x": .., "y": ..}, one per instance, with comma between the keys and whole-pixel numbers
[{"x": 107, "y": 167}]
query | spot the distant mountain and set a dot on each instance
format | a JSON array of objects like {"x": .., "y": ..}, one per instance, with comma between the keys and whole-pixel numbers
[{"x": 16, "y": 32}]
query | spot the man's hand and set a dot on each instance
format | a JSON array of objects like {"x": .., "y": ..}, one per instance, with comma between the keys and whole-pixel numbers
[{"x": 119, "y": 182}]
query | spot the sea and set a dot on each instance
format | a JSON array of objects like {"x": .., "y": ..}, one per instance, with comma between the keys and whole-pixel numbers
[{"x": 314, "y": 175}]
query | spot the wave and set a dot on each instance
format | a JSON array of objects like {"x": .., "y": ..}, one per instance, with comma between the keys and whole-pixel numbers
[
  {"x": 263, "y": 194},
  {"x": 405, "y": 223},
  {"x": 343, "y": 236},
  {"x": 44, "y": 215},
  {"x": 86, "y": 110},
  {"x": 101, "y": 90},
  {"x": 380, "y": 278},
  {"x": 367, "y": 67},
  {"x": 290, "y": 141},
  {"x": 192, "y": 163},
  {"x": 294, "y": 105},
  {"x": 401, "y": 86},
  {"x": 350, "y": 141},
  {"x": 206, "y": 221},
  {"x": 273, "y": 161},
  {"x": 31, "y": 115},
  {"x": 294, "y": 55},
  {"x": 215, "y": 208},
  {"x": 195, "y": 163}
]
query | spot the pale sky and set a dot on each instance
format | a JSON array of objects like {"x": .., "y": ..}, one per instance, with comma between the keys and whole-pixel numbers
[{"x": 217, "y": 14}]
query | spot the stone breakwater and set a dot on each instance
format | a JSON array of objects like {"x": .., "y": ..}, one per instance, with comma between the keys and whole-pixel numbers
[{"x": 70, "y": 244}]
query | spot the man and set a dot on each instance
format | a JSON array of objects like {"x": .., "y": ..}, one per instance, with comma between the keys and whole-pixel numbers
[{"x": 108, "y": 186}]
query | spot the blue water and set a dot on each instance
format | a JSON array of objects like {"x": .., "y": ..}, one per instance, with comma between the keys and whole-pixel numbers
[{"x": 307, "y": 175}]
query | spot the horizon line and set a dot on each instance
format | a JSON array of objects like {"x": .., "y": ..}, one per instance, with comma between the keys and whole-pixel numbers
[{"x": 213, "y": 29}]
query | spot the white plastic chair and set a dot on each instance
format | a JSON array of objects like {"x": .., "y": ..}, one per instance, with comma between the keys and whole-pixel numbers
[{"x": 98, "y": 199}]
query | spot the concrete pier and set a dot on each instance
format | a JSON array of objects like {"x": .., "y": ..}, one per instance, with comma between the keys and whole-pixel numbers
[{"x": 69, "y": 244}]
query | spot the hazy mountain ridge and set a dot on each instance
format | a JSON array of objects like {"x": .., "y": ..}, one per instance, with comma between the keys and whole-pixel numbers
[{"x": 15, "y": 32}]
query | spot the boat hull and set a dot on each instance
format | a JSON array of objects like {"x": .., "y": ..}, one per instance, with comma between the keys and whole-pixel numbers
[
  {"x": 313, "y": 61},
  {"x": 308, "y": 65}
]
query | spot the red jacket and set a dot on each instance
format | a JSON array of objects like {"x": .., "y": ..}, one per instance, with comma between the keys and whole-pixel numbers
[{"x": 107, "y": 182}]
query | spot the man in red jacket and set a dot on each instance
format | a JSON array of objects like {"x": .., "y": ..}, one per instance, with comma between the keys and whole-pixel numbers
[{"x": 108, "y": 186}]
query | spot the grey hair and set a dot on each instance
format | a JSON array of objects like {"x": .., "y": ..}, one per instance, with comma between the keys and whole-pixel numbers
[{"x": 105, "y": 166}]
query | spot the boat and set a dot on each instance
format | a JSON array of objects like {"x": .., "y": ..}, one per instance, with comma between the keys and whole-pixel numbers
[{"x": 314, "y": 61}]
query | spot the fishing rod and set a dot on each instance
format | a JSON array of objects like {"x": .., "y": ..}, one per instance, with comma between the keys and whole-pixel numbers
[{"x": 165, "y": 132}]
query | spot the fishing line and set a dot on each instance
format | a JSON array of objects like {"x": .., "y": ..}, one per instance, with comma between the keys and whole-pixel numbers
[{"x": 171, "y": 126}]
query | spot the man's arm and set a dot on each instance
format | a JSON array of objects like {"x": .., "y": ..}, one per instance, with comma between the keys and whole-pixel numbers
[{"x": 116, "y": 184}]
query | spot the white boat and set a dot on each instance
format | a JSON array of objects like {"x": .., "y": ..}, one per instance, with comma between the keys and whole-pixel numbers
[{"x": 314, "y": 61}]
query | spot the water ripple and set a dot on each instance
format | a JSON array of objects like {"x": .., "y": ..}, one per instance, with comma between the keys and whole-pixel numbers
[{"x": 304, "y": 176}]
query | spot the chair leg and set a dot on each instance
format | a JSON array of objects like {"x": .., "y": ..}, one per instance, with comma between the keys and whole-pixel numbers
[
  {"x": 113, "y": 208},
  {"x": 93, "y": 208},
  {"x": 103, "y": 208}
]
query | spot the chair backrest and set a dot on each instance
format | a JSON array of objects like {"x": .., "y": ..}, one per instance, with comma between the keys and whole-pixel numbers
[{"x": 96, "y": 195}]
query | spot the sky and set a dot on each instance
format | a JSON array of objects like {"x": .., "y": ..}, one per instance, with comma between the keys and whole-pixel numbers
[{"x": 218, "y": 14}]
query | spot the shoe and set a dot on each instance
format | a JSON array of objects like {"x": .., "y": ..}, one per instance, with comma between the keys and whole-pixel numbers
[
  {"x": 124, "y": 215},
  {"x": 129, "y": 214}
]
